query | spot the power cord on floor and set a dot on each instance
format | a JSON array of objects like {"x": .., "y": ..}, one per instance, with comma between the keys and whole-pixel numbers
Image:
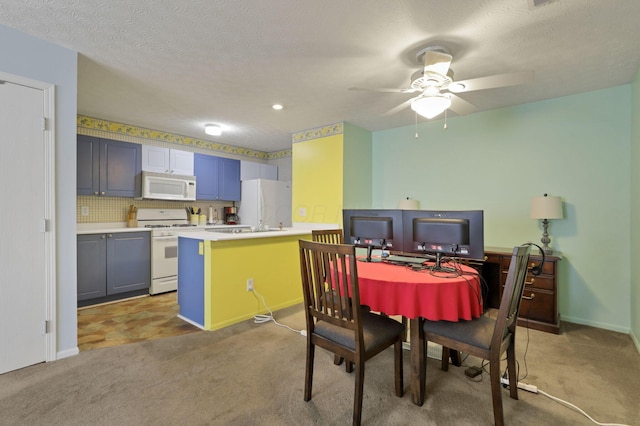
[
  {"x": 534, "y": 389},
  {"x": 262, "y": 318}
]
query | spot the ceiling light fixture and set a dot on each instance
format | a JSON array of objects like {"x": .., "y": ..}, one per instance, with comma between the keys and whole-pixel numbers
[
  {"x": 430, "y": 106},
  {"x": 212, "y": 129},
  {"x": 277, "y": 107}
]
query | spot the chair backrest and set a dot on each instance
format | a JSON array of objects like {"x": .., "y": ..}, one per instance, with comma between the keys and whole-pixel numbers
[
  {"x": 511, "y": 295},
  {"x": 333, "y": 296},
  {"x": 330, "y": 236}
]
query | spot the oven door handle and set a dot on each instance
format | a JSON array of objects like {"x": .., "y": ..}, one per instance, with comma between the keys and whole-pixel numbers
[{"x": 175, "y": 238}]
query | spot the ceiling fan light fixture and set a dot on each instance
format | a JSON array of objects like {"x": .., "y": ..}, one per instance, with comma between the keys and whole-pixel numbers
[
  {"x": 212, "y": 129},
  {"x": 430, "y": 106},
  {"x": 456, "y": 87}
]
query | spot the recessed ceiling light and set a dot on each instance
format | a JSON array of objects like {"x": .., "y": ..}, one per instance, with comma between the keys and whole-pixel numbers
[
  {"x": 277, "y": 107},
  {"x": 212, "y": 129}
]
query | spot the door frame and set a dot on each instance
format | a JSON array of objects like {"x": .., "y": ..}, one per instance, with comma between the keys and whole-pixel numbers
[{"x": 49, "y": 223}]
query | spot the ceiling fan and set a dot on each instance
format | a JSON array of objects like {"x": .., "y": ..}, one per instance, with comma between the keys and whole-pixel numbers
[{"x": 437, "y": 89}]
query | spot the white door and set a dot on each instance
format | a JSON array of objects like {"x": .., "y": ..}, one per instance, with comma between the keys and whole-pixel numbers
[{"x": 23, "y": 279}]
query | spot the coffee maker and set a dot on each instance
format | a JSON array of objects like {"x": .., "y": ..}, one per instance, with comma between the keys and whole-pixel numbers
[{"x": 231, "y": 215}]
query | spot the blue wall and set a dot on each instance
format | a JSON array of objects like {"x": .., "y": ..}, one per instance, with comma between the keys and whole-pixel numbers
[{"x": 576, "y": 147}]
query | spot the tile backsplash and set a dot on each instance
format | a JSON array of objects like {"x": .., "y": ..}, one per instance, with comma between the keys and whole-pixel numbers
[{"x": 114, "y": 209}]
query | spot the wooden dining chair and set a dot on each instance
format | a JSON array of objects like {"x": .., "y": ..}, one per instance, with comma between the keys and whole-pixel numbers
[
  {"x": 338, "y": 324},
  {"x": 486, "y": 337},
  {"x": 329, "y": 236}
]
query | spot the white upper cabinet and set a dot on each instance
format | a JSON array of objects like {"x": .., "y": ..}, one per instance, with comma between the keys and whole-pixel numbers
[
  {"x": 252, "y": 170},
  {"x": 181, "y": 162},
  {"x": 165, "y": 160}
]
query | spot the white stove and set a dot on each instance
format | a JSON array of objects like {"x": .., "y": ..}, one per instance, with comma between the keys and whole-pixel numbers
[{"x": 164, "y": 224}]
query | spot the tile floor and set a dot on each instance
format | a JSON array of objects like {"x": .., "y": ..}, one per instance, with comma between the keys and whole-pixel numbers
[{"x": 131, "y": 320}]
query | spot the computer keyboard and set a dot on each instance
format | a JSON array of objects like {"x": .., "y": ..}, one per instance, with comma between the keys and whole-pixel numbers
[{"x": 405, "y": 259}]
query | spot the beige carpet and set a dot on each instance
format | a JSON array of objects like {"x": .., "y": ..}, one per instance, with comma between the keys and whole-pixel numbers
[{"x": 251, "y": 374}]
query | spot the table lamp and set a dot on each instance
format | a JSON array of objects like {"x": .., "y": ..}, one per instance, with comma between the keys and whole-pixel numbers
[
  {"x": 546, "y": 208},
  {"x": 408, "y": 204}
]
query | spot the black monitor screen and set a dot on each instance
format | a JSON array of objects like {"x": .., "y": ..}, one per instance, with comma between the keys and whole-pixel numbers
[
  {"x": 458, "y": 233},
  {"x": 435, "y": 235},
  {"x": 371, "y": 230}
]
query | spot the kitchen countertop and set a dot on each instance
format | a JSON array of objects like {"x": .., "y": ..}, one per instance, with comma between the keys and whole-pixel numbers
[
  {"x": 221, "y": 236},
  {"x": 98, "y": 228}
]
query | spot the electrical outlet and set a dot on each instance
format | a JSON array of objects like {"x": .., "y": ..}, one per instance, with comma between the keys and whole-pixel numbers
[
  {"x": 302, "y": 212},
  {"x": 250, "y": 284},
  {"x": 84, "y": 210}
]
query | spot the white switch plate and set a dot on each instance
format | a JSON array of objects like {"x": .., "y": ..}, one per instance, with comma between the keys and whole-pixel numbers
[
  {"x": 302, "y": 211},
  {"x": 84, "y": 210}
]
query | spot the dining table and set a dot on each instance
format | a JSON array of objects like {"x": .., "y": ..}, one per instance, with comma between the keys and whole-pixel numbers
[{"x": 419, "y": 292}]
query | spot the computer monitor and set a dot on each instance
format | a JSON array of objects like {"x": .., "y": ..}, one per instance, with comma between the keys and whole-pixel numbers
[
  {"x": 444, "y": 233},
  {"x": 373, "y": 229}
]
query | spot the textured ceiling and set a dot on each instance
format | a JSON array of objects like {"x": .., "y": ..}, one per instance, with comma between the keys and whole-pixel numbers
[{"x": 176, "y": 65}]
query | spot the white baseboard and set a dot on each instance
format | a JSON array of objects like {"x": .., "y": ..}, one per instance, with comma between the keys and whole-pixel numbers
[
  {"x": 635, "y": 340},
  {"x": 67, "y": 353}
]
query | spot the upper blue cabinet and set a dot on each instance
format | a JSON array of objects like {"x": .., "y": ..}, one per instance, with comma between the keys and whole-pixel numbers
[
  {"x": 217, "y": 178},
  {"x": 108, "y": 168}
]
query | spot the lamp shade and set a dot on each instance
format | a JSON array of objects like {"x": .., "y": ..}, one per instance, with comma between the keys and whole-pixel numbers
[
  {"x": 408, "y": 204},
  {"x": 430, "y": 106},
  {"x": 546, "y": 207}
]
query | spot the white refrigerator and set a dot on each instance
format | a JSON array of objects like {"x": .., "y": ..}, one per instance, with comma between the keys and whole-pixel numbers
[{"x": 265, "y": 200}]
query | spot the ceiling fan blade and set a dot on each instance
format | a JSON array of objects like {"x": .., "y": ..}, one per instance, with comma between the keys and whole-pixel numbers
[
  {"x": 437, "y": 62},
  {"x": 400, "y": 107},
  {"x": 384, "y": 90},
  {"x": 460, "y": 106},
  {"x": 491, "y": 82}
]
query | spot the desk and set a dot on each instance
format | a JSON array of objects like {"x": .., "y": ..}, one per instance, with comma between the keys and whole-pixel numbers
[{"x": 397, "y": 290}]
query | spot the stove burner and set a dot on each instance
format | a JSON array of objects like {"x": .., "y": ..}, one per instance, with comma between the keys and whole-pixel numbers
[
  {"x": 156, "y": 226},
  {"x": 182, "y": 225}
]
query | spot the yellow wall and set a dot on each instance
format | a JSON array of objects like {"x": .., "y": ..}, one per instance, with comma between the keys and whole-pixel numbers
[
  {"x": 318, "y": 180},
  {"x": 274, "y": 265}
]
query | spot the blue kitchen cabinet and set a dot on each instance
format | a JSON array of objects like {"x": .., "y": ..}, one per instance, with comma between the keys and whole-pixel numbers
[
  {"x": 92, "y": 266},
  {"x": 217, "y": 178},
  {"x": 108, "y": 168},
  {"x": 112, "y": 265}
]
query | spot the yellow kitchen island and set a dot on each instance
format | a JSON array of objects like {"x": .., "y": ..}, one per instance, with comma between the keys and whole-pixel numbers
[{"x": 214, "y": 268}]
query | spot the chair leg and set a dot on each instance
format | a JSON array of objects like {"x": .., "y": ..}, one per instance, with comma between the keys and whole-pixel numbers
[
  {"x": 337, "y": 359},
  {"x": 357, "y": 402},
  {"x": 511, "y": 369},
  {"x": 348, "y": 366},
  {"x": 444, "y": 364},
  {"x": 496, "y": 389},
  {"x": 308, "y": 379},
  {"x": 398, "y": 369}
]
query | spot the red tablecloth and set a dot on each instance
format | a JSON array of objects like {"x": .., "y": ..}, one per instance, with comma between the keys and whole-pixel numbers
[{"x": 398, "y": 290}]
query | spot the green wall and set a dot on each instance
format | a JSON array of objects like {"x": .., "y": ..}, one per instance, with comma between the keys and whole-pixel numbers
[
  {"x": 635, "y": 211},
  {"x": 357, "y": 167},
  {"x": 576, "y": 147}
]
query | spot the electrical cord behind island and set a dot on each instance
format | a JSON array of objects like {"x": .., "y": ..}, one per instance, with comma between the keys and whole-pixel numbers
[{"x": 262, "y": 318}]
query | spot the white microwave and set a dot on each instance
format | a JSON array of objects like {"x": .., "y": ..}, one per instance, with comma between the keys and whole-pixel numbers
[{"x": 160, "y": 186}]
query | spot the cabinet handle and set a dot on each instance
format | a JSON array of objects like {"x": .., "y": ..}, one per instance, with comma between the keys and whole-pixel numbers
[
  {"x": 110, "y": 235},
  {"x": 533, "y": 296},
  {"x": 102, "y": 193},
  {"x": 533, "y": 280},
  {"x": 95, "y": 193},
  {"x": 102, "y": 237}
]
